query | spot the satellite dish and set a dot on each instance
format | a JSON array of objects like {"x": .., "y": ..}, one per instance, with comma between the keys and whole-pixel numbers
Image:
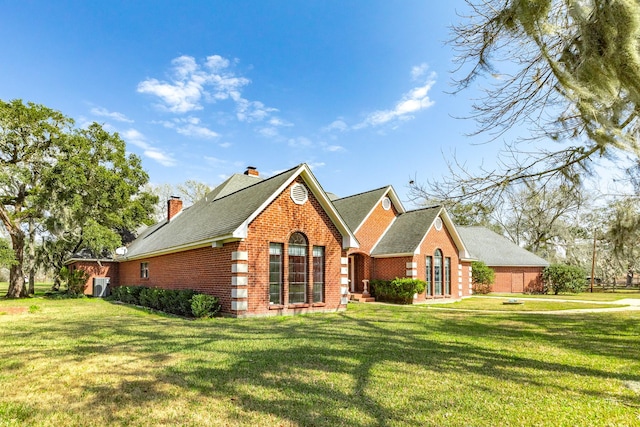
[{"x": 121, "y": 251}]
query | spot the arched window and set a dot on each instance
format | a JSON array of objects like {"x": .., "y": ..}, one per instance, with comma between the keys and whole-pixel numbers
[
  {"x": 297, "y": 268},
  {"x": 437, "y": 272}
]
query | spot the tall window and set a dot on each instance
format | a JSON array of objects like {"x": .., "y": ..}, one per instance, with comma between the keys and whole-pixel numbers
[
  {"x": 437, "y": 272},
  {"x": 428, "y": 274},
  {"x": 447, "y": 276},
  {"x": 275, "y": 273},
  {"x": 297, "y": 268},
  {"x": 318, "y": 273},
  {"x": 144, "y": 270}
]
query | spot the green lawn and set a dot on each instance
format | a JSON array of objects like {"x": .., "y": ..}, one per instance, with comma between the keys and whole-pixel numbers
[
  {"x": 596, "y": 296},
  {"x": 90, "y": 362},
  {"x": 493, "y": 304}
]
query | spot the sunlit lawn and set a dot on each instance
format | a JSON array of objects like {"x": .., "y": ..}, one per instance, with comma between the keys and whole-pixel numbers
[
  {"x": 524, "y": 304},
  {"x": 595, "y": 296},
  {"x": 90, "y": 362}
]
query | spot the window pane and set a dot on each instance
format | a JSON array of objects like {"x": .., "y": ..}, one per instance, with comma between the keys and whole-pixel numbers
[
  {"x": 318, "y": 273},
  {"x": 275, "y": 273},
  {"x": 297, "y": 268},
  {"x": 428, "y": 275},
  {"x": 437, "y": 272},
  {"x": 447, "y": 275}
]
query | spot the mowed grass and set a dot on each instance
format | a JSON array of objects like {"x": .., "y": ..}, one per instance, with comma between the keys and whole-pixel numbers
[
  {"x": 586, "y": 296},
  {"x": 498, "y": 304},
  {"x": 90, "y": 362}
]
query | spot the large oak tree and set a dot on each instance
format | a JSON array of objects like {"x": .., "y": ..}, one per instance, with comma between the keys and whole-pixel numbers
[{"x": 77, "y": 187}]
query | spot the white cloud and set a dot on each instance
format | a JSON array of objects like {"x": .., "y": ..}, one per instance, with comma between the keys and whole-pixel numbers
[
  {"x": 334, "y": 148},
  {"x": 225, "y": 145},
  {"x": 189, "y": 126},
  {"x": 103, "y": 112},
  {"x": 160, "y": 157},
  {"x": 411, "y": 102},
  {"x": 419, "y": 71},
  {"x": 315, "y": 165},
  {"x": 300, "y": 141},
  {"x": 268, "y": 132},
  {"x": 275, "y": 121},
  {"x": 136, "y": 138},
  {"x": 191, "y": 84},
  {"x": 337, "y": 125}
]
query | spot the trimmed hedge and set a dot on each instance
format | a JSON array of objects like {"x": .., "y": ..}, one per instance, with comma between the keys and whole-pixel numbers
[
  {"x": 187, "y": 302},
  {"x": 398, "y": 290}
]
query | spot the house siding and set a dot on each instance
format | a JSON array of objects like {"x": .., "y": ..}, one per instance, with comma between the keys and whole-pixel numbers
[
  {"x": 206, "y": 270},
  {"x": 373, "y": 227},
  {"x": 513, "y": 279},
  {"x": 276, "y": 224},
  {"x": 95, "y": 269}
]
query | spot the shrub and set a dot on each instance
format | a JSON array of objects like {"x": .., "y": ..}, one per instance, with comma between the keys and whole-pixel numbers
[
  {"x": 482, "y": 277},
  {"x": 203, "y": 305},
  {"x": 150, "y": 297},
  {"x": 398, "y": 290},
  {"x": 180, "y": 302},
  {"x": 75, "y": 280},
  {"x": 564, "y": 278},
  {"x": 127, "y": 294}
]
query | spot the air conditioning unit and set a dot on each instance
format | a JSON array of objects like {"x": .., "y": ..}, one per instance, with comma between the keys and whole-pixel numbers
[{"x": 100, "y": 287}]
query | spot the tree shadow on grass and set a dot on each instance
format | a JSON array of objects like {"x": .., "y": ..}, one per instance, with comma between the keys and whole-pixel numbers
[{"x": 322, "y": 369}]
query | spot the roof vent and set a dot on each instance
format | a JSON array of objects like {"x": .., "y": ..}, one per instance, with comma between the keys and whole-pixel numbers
[
  {"x": 438, "y": 224},
  {"x": 299, "y": 194},
  {"x": 386, "y": 203}
]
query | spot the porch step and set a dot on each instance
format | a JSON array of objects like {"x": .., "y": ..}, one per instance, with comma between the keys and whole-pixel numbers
[{"x": 360, "y": 298}]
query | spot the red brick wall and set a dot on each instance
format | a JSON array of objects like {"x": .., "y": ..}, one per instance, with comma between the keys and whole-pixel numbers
[
  {"x": 206, "y": 270},
  {"x": 104, "y": 269},
  {"x": 373, "y": 227},
  {"x": 390, "y": 268},
  {"x": 517, "y": 279},
  {"x": 276, "y": 224}
]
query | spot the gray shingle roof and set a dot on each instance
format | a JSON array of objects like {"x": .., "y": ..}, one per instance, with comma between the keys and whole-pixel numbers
[
  {"x": 354, "y": 209},
  {"x": 496, "y": 250},
  {"x": 406, "y": 232},
  {"x": 234, "y": 183},
  {"x": 218, "y": 215}
]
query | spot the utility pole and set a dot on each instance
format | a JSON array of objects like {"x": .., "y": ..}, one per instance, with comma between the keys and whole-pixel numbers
[{"x": 593, "y": 260}]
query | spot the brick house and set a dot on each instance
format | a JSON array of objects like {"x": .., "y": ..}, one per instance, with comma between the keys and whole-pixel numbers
[
  {"x": 422, "y": 244},
  {"x": 516, "y": 269},
  {"x": 283, "y": 245}
]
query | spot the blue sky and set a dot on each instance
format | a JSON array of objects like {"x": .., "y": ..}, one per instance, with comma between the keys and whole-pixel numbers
[{"x": 202, "y": 89}]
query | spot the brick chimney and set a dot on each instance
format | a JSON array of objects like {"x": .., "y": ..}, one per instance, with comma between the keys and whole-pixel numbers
[
  {"x": 252, "y": 171},
  {"x": 174, "y": 206}
]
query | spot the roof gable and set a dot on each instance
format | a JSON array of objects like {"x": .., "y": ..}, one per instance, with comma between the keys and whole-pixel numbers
[
  {"x": 357, "y": 208},
  {"x": 406, "y": 234},
  {"x": 220, "y": 217}
]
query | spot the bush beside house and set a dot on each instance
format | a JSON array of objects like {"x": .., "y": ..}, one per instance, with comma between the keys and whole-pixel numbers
[
  {"x": 181, "y": 302},
  {"x": 398, "y": 290},
  {"x": 482, "y": 276}
]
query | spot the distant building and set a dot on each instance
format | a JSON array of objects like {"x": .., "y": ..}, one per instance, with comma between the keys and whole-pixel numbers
[{"x": 517, "y": 270}]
